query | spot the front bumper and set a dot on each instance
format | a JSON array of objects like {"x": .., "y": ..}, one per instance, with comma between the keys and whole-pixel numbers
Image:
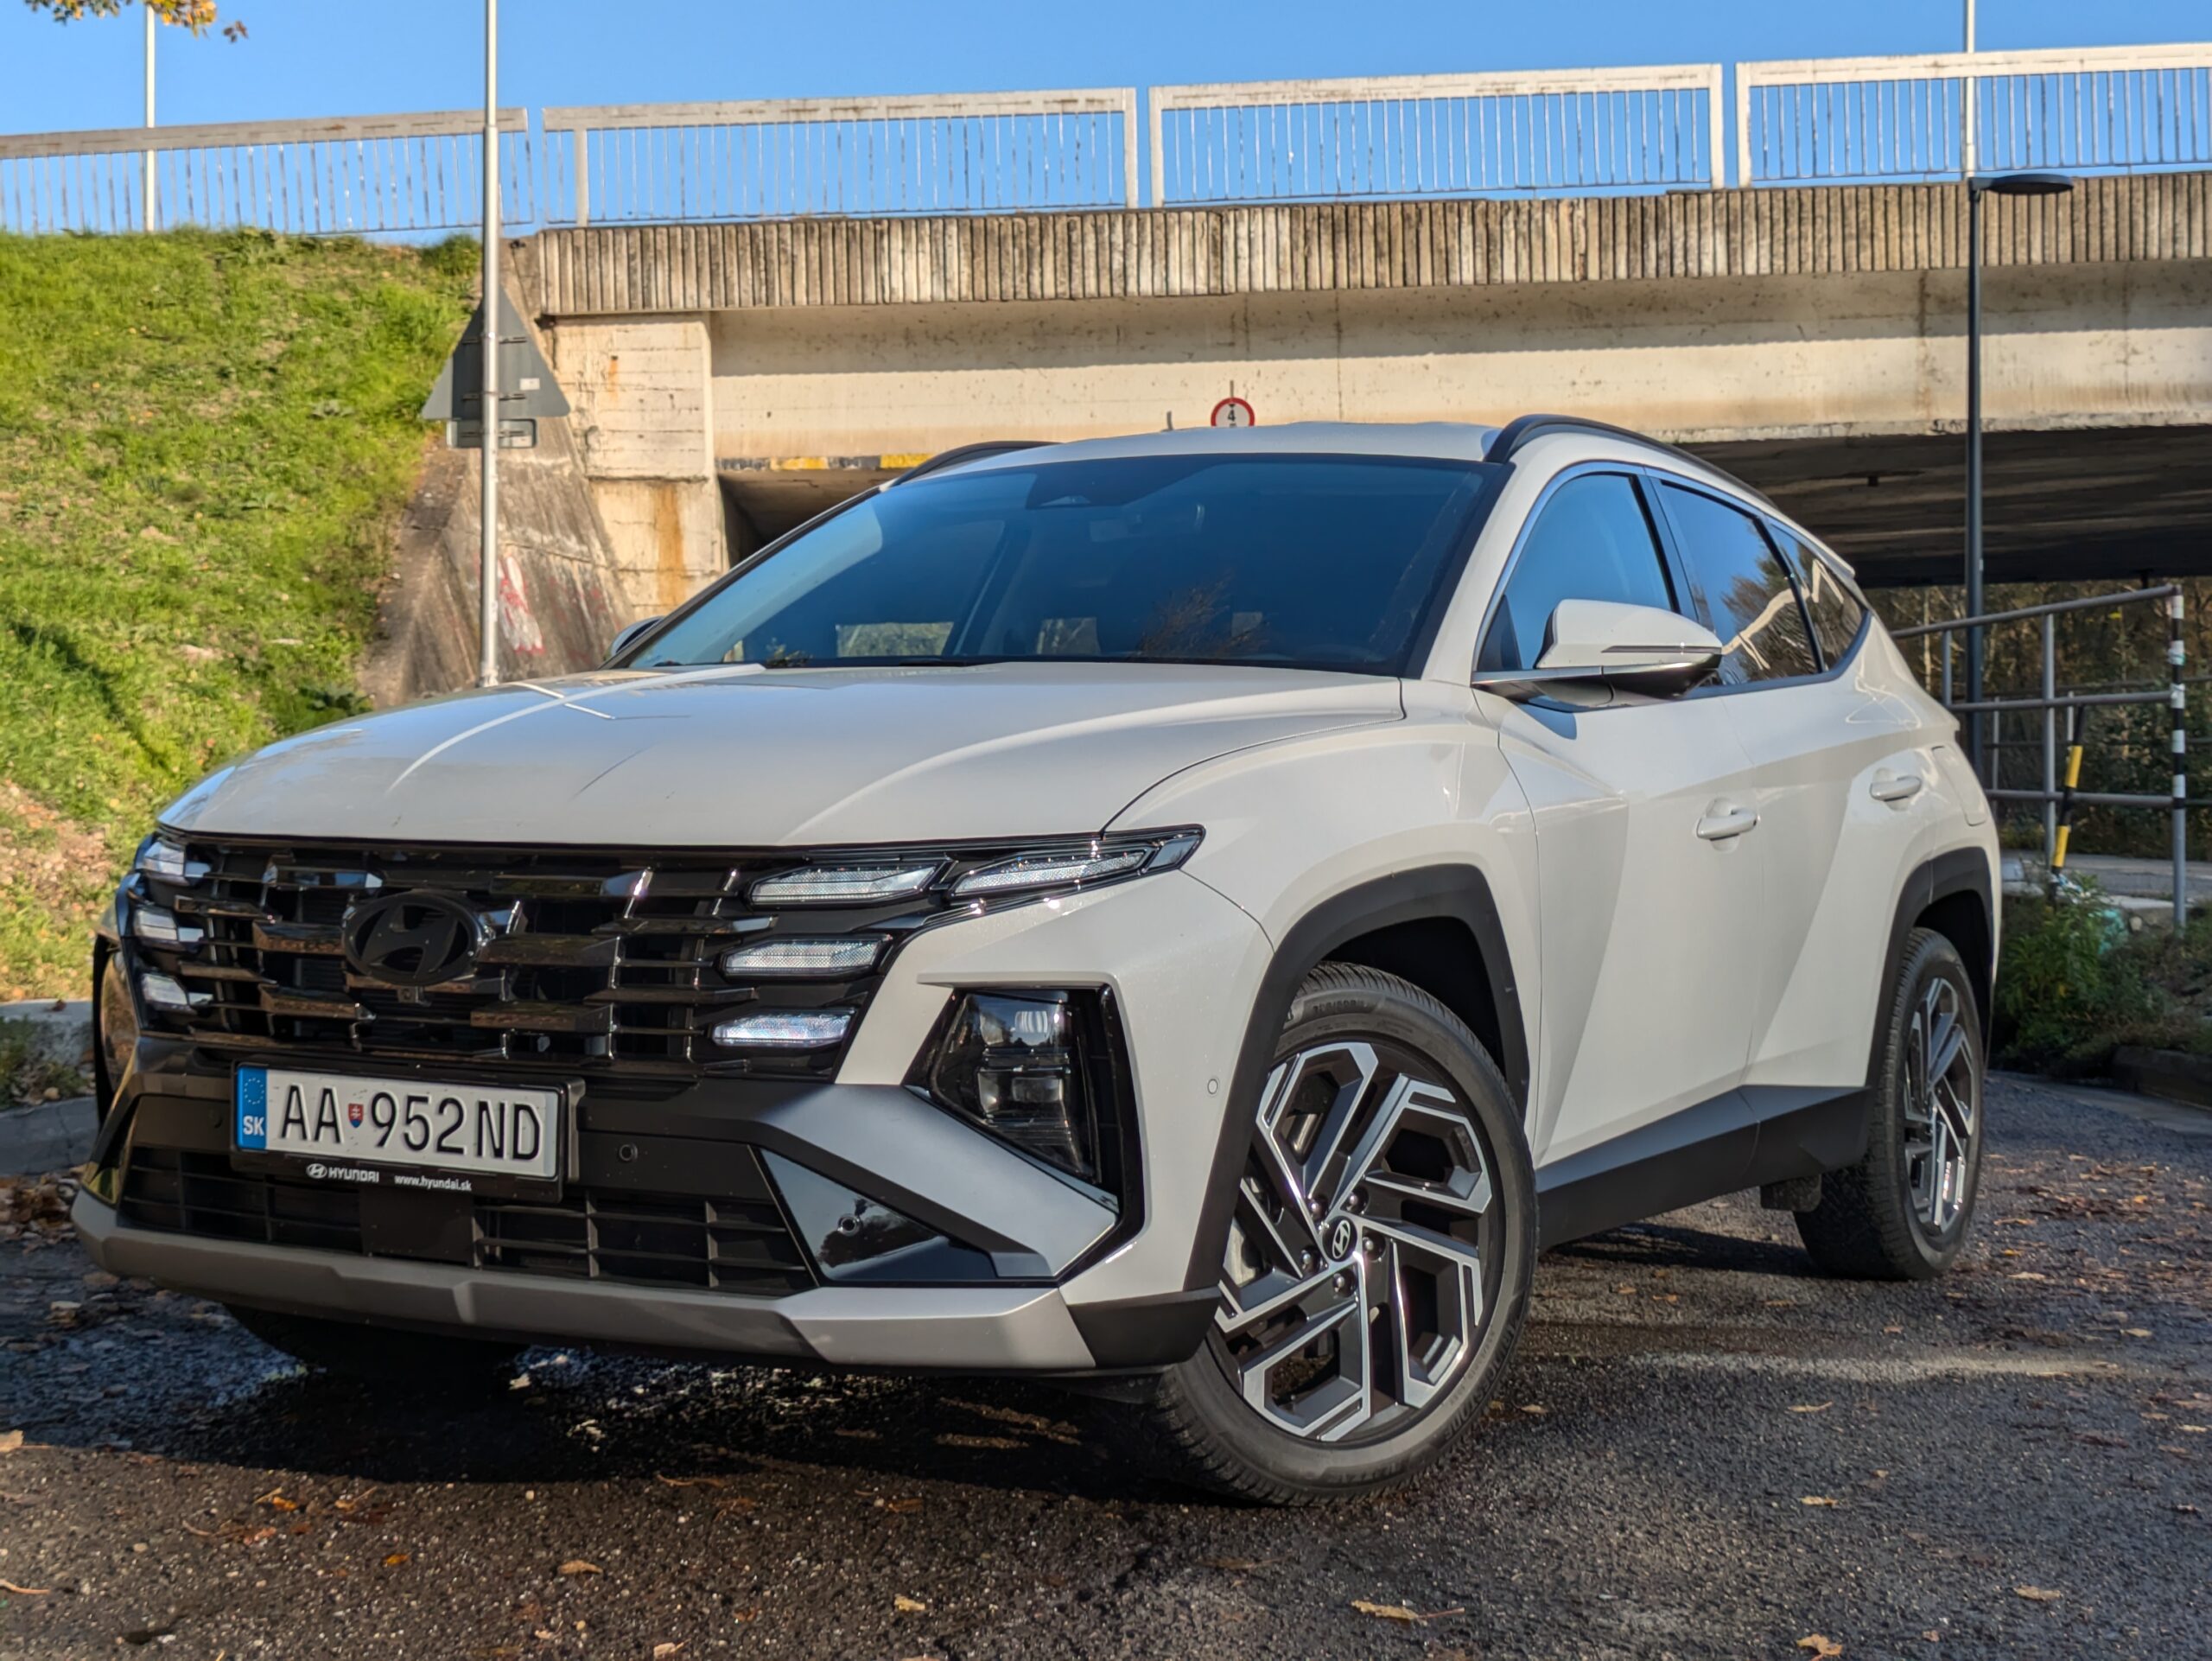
[
  {"x": 1012, "y": 1328},
  {"x": 1069, "y": 1285}
]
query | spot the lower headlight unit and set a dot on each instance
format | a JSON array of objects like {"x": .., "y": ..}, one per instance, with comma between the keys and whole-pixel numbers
[
  {"x": 1013, "y": 1063},
  {"x": 815, "y": 1030}
]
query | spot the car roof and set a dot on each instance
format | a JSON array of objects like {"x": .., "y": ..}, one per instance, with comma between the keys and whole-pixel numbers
[{"x": 1442, "y": 440}]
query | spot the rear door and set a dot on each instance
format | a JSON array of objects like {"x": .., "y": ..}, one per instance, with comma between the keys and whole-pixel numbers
[
  {"x": 1842, "y": 767},
  {"x": 1648, "y": 865}
]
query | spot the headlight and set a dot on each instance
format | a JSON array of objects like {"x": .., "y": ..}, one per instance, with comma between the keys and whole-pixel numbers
[
  {"x": 165, "y": 862},
  {"x": 845, "y": 885},
  {"x": 152, "y": 925},
  {"x": 1013, "y": 1064},
  {"x": 1076, "y": 867},
  {"x": 168, "y": 995},
  {"x": 804, "y": 960},
  {"x": 802, "y": 1030}
]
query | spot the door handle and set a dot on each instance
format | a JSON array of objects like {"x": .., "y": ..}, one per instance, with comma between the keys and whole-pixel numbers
[
  {"x": 1725, "y": 819},
  {"x": 1896, "y": 787}
]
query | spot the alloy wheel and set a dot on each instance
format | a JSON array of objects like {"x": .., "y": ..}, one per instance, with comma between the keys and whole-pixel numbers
[
  {"x": 1362, "y": 1257},
  {"x": 1942, "y": 1108}
]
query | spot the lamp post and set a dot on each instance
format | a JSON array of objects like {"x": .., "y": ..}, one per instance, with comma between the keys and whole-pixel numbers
[{"x": 2003, "y": 184}]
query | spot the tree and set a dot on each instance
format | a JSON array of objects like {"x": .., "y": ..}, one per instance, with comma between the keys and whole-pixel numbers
[{"x": 197, "y": 15}]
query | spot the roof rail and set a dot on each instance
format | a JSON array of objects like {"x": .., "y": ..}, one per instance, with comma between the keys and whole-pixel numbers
[
  {"x": 965, "y": 453},
  {"x": 1522, "y": 430}
]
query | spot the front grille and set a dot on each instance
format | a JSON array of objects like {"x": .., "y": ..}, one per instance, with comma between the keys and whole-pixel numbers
[
  {"x": 591, "y": 960},
  {"x": 725, "y": 1245}
]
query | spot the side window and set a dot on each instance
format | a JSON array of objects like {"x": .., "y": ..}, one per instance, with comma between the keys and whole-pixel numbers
[
  {"x": 1592, "y": 540},
  {"x": 1836, "y": 612},
  {"x": 1747, "y": 589}
]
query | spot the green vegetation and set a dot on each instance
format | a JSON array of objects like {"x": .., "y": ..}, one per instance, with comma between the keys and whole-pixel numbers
[
  {"x": 204, "y": 440},
  {"x": 27, "y": 1077},
  {"x": 2075, "y": 984}
]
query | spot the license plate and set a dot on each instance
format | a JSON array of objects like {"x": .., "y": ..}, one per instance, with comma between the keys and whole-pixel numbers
[{"x": 405, "y": 1133}]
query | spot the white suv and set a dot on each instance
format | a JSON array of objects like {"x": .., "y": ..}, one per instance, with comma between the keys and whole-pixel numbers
[{"x": 1193, "y": 914}]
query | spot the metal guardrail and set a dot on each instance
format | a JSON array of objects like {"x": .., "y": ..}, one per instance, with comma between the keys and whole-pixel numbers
[
  {"x": 1849, "y": 120},
  {"x": 1439, "y": 134},
  {"x": 2050, "y": 702},
  {"x": 1834, "y": 121},
  {"x": 974, "y": 153},
  {"x": 334, "y": 176}
]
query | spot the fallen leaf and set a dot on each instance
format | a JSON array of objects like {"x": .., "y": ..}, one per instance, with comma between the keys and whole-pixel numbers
[
  {"x": 1536, "y": 1408},
  {"x": 1816, "y": 1500},
  {"x": 24, "y": 1591},
  {"x": 2037, "y": 1593},
  {"x": 690, "y": 1481},
  {"x": 1820, "y": 1644},
  {"x": 1399, "y": 1612},
  {"x": 906, "y": 1606},
  {"x": 578, "y": 1566},
  {"x": 11, "y": 1441},
  {"x": 900, "y": 1507},
  {"x": 2136, "y": 1331},
  {"x": 395, "y": 1559},
  {"x": 1234, "y": 1565},
  {"x": 662, "y": 1652},
  {"x": 276, "y": 1501},
  {"x": 1813, "y": 1407}
]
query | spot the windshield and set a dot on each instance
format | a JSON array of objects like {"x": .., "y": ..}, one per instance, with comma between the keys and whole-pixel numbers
[{"x": 1321, "y": 562}]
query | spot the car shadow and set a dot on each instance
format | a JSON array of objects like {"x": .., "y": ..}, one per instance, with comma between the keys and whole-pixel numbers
[
  {"x": 1664, "y": 1245},
  {"x": 586, "y": 1417}
]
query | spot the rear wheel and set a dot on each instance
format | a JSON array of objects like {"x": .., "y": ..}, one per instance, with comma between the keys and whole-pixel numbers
[
  {"x": 1902, "y": 1212},
  {"x": 375, "y": 1355},
  {"x": 1378, "y": 1262}
]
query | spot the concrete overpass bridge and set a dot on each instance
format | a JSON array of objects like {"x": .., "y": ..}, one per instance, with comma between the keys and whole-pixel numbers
[
  {"x": 731, "y": 380},
  {"x": 760, "y": 307}
]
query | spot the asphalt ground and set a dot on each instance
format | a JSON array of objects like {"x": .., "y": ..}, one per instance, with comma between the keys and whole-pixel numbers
[{"x": 1704, "y": 1450}]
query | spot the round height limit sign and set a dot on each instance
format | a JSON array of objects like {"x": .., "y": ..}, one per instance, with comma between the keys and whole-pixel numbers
[{"x": 1234, "y": 411}]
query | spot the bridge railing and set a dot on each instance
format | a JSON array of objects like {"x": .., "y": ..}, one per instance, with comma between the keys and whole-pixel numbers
[
  {"x": 334, "y": 176},
  {"x": 969, "y": 153},
  {"x": 1833, "y": 121},
  {"x": 1577, "y": 130},
  {"x": 1846, "y": 120}
]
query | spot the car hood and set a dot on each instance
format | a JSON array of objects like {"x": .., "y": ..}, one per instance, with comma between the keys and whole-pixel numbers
[{"x": 735, "y": 756}]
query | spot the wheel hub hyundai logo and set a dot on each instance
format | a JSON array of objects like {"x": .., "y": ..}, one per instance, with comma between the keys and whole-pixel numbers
[
  {"x": 1342, "y": 1238},
  {"x": 411, "y": 939}
]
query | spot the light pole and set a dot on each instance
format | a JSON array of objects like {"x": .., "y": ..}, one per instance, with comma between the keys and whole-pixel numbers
[
  {"x": 487, "y": 599},
  {"x": 2003, "y": 184}
]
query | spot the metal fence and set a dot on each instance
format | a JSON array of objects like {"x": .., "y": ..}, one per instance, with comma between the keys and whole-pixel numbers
[
  {"x": 1584, "y": 130},
  {"x": 345, "y": 174},
  {"x": 1439, "y": 134},
  {"x": 959, "y": 153},
  {"x": 1843, "y": 120},
  {"x": 2050, "y": 703}
]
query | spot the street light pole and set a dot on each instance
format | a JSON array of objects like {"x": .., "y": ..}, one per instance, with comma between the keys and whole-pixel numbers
[
  {"x": 146, "y": 161},
  {"x": 487, "y": 669},
  {"x": 2004, "y": 184},
  {"x": 1973, "y": 467}
]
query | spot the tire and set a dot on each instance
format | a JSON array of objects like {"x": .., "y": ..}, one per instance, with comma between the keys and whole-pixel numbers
[
  {"x": 1383, "y": 1109},
  {"x": 375, "y": 1355},
  {"x": 1901, "y": 1212}
]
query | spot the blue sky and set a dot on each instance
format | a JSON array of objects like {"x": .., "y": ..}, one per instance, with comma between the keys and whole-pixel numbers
[{"x": 344, "y": 57}]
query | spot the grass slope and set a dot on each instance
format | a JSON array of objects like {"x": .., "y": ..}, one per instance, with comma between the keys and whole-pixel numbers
[{"x": 204, "y": 441}]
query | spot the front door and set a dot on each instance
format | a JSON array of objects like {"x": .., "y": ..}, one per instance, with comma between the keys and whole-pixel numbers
[{"x": 1650, "y": 874}]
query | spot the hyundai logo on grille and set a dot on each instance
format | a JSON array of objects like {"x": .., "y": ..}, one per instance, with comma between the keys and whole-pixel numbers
[{"x": 411, "y": 939}]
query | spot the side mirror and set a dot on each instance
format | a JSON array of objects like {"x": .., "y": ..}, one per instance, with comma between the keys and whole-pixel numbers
[
  {"x": 1632, "y": 648},
  {"x": 629, "y": 637}
]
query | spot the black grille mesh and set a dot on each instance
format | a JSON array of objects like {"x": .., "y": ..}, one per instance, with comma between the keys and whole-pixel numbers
[
  {"x": 593, "y": 960},
  {"x": 727, "y": 1245}
]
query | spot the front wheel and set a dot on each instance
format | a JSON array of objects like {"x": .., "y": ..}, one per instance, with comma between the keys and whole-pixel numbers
[
  {"x": 1378, "y": 1261},
  {"x": 1901, "y": 1212}
]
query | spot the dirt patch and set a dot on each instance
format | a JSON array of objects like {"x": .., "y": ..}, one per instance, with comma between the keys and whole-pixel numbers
[{"x": 54, "y": 873}]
